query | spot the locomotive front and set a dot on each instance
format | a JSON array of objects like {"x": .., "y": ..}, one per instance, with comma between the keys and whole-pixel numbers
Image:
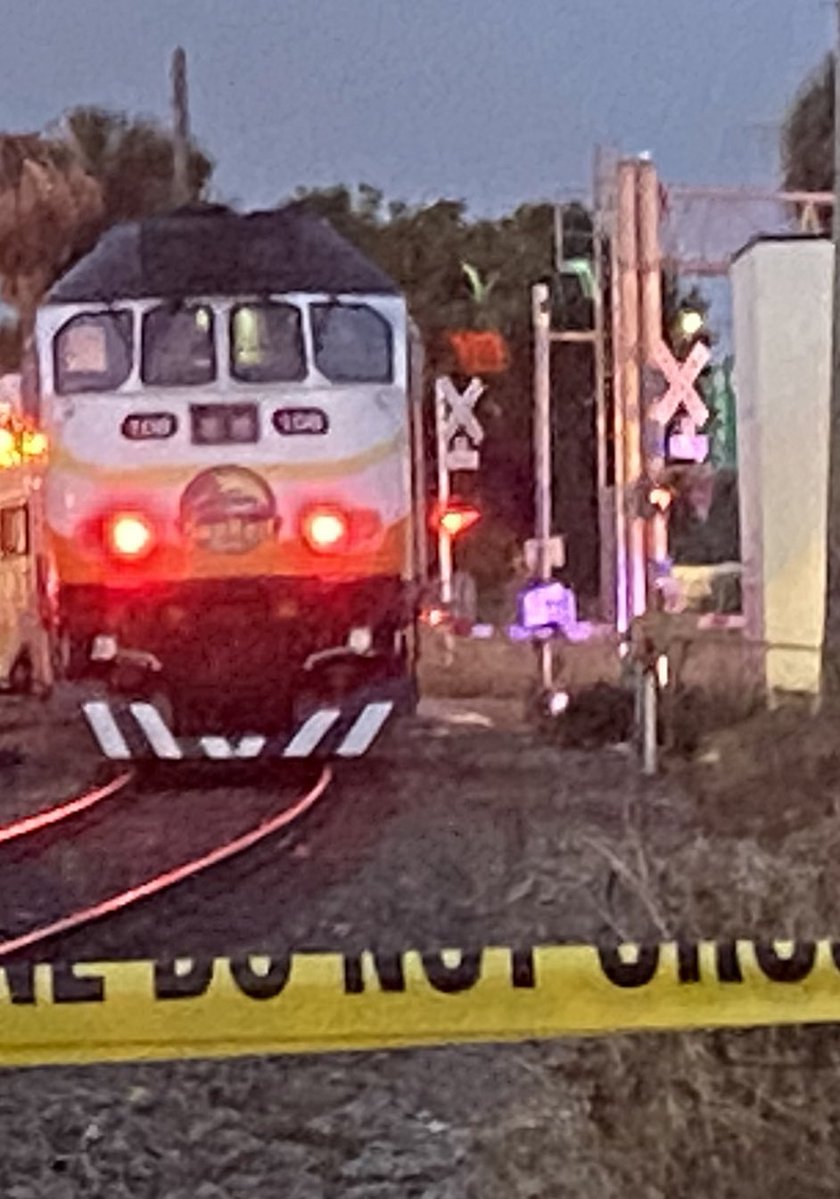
[{"x": 230, "y": 491}]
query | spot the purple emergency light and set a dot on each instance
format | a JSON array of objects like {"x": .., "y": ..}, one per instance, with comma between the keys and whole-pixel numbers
[{"x": 546, "y": 606}]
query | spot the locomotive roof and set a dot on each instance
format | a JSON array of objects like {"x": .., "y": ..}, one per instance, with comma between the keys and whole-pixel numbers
[{"x": 211, "y": 250}]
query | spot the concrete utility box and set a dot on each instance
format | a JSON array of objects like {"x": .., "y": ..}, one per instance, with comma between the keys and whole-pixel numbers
[{"x": 782, "y": 301}]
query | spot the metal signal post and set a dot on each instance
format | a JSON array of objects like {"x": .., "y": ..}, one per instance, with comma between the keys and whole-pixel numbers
[
  {"x": 546, "y": 545},
  {"x": 443, "y": 535},
  {"x": 541, "y": 302},
  {"x": 650, "y": 329}
]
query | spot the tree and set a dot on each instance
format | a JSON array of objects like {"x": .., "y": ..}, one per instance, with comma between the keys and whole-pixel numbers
[
  {"x": 49, "y": 208},
  {"x": 58, "y": 194},
  {"x": 132, "y": 160},
  {"x": 425, "y": 249},
  {"x": 808, "y": 139},
  {"x": 808, "y": 133}
]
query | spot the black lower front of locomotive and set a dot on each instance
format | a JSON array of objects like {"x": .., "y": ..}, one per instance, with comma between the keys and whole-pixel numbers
[{"x": 261, "y": 653}]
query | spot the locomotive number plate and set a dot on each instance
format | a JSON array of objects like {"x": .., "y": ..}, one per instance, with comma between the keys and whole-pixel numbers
[
  {"x": 149, "y": 426},
  {"x": 291, "y": 422}
]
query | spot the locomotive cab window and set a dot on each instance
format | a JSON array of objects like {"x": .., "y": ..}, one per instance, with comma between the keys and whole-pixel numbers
[
  {"x": 14, "y": 532},
  {"x": 178, "y": 346},
  {"x": 93, "y": 352},
  {"x": 266, "y": 343},
  {"x": 353, "y": 343}
]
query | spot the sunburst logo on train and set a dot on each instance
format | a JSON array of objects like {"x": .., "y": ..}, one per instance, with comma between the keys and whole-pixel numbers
[{"x": 228, "y": 510}]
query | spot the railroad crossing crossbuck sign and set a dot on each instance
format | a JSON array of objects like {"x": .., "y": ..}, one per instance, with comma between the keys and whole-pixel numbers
[
  {"x": 461, "y": 429},
  {"x": 680, "y": 379}
]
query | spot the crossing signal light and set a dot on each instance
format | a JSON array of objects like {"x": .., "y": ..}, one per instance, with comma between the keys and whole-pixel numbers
[
  {"x": 653, "y": 499},
  {"x": 456, "y": 517},
  {"x": 689, "y": 327},
  {"x": 660, "y": 498},
  {"x": 690, "y": 323}
]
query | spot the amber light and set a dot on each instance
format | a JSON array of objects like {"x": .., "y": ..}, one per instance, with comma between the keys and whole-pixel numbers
[
  {"x": 130, "y": 535},
  {"x": 9, "y": 454},
  {"x": 325, "y": 528},
  {"x": 660, "y": 497},
  {"x": 34, "y": 444},
  {"x": 456, "y": 518}
]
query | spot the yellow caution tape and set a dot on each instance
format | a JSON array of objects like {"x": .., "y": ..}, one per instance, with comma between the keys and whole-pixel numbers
[{"x": 310, "y": 1003}]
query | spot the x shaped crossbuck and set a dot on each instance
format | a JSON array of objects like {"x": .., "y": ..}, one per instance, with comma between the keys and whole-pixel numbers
[
  {"x": 680, "y": 377},
  {"x": 460, "y": 416}
]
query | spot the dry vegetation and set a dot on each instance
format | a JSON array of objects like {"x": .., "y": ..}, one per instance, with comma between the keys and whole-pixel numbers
[
  {"x": 682, "y": 1115},
  {"x": 740, "y": 837}
]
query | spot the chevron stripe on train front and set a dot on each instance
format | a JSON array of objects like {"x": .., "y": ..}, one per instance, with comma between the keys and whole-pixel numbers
[{"x": 140, "y": 731}]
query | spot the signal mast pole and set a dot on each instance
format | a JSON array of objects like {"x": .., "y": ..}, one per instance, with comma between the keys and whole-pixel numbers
[
  {"x": 180, "y": 129},
  {"x": 541, "y": 317},
  {"x": 444, "y": 539},
  {"x": 830, "y": 686},
  {"x": 628, "y": 372},
  {"x": 650, "y": 328}
]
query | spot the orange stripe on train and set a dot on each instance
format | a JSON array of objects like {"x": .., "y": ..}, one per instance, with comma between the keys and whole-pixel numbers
[{"x": 390, "y": 554}]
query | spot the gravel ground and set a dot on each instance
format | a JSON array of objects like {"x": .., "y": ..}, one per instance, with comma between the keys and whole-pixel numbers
[{"x": 463, "y": 831}]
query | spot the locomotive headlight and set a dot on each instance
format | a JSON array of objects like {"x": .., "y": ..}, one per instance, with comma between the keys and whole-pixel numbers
[
  {"x": 325, "y": 528},
  {"x": 130, "y": 535},
  {"x": 360, "y": 639},
  {"x": 330, "y": 529}
]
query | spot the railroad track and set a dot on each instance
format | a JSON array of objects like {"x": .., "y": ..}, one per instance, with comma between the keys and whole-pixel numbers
[
  {"x": 176, "y": 858},
  {"x": 152, "y": 823},
  {"x": 114, "y": 846}
]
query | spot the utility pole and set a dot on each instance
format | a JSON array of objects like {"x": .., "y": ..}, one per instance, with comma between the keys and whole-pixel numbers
[
  {"x": 650, "y": 276},
  {"x": 619, "y": 511},
  {"x": 180, "y": 130},
  {"x": 831, "y": 637},
  {"x": 628, "y": 435},
  {"x": 604, "y": 202},
  {"x": 656, "y": 528},
  {"x": 541, "y": 317}
]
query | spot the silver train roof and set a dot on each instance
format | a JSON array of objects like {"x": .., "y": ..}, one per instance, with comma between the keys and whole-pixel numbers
[{"x": 210, "y": 250}]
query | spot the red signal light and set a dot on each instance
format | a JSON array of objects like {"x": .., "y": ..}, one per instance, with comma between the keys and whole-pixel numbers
[
  {"x": 457, "y": 517},
  {"x": 130, "y": 535},
  {"x": 325, "y": 528}
]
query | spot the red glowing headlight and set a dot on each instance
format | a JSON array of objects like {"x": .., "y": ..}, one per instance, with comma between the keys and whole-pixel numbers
[
  {"x": 325, "y": 528},
  {"x": 130, "y": 535}
]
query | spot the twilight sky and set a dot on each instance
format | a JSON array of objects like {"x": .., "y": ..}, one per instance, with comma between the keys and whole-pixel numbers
[{"x": 495, "y": 101}]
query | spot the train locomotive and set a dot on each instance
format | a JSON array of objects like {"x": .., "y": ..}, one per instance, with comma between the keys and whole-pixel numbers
[{"x": 234, "y": 498}]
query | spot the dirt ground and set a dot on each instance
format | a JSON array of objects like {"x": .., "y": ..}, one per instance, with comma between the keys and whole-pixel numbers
[{"x": 474, "y": 827}]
